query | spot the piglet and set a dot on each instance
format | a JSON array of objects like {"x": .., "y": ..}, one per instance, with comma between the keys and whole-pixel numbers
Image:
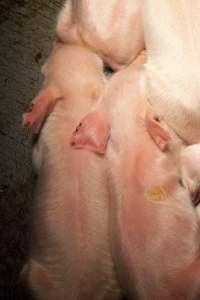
[
  {"x": 70, "y": 255},
  {"x": 154, "y": 225},
  {"x": 110, "y": 28}
]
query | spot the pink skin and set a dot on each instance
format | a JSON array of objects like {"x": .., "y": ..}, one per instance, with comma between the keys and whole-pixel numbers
[
  {"x": 70, "y": 255},
  {"x": 172, "y": 30},
  {"x": 110, "y": 28},
  {"x": 62, "y": 80},
  {"x": 172, "y": 74},
  {"x": 154, "y": 226}
]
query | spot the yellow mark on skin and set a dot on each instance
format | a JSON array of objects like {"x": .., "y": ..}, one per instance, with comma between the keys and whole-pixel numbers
[{"x": 156, "y": 194}]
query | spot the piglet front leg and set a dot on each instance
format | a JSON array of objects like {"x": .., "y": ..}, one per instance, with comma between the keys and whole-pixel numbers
[
  {"x": 190, "y": 170},
  {"x": 42, "y": 282}
]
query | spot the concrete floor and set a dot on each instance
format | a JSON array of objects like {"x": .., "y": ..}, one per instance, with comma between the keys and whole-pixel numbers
[{"x": 26, "y": 34}]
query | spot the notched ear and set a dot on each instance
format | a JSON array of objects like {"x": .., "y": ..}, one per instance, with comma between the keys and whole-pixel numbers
[
  {"x": 157, "y": 132},
  {"x": 41, "y": 107},
  {"x": 92, "y": 133}
]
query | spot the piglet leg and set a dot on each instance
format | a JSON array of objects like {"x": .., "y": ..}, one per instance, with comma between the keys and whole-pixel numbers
[
  {"x": 190, "y": 170},
  {"x": 41, "y": 282}
]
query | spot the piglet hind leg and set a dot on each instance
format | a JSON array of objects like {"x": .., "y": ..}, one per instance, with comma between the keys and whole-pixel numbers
[
  {"x": 41, "y": 107},
  {"x": 41, "y": 282},
  {"x": 92, "y": 133}
]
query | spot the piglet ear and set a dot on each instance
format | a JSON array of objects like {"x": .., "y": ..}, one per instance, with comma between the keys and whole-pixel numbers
[
  {"x": 92, "y": 133},
  {"x": 156, "y": 131},
  {"x": 41, "y": 107}
]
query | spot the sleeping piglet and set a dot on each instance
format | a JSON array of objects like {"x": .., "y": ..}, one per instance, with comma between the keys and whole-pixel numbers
[
  {"x": 70, "y": 256},
  {"x": 154, "y": 226},
  {"x": 110, "y": 28}
]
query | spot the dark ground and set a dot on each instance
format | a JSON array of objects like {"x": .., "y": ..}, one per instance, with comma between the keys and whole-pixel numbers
[{"x": 26, "y": 34}]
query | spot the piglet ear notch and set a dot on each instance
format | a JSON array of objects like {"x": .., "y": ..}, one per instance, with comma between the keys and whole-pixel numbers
[
  {"x": 157, "y": 132},
  {"x": 41, "y": 107},
  {"x": 92, "y": 133}
]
